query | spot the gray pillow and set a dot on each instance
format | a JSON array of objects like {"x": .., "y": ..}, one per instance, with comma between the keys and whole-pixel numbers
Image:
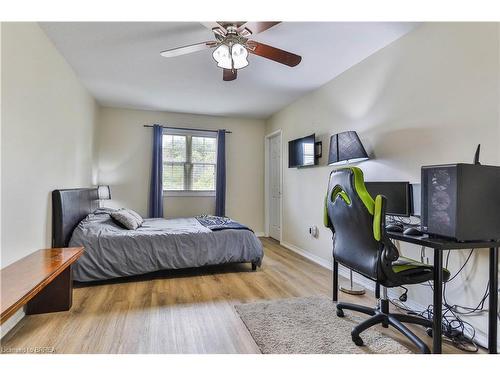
[
  {"x": 138, "y": 217},
  {"x": 125, "y": 218}
]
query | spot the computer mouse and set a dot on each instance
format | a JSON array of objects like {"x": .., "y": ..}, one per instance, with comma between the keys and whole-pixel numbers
[
  {"x": 394, "y": 228},
  {"x": 412, "y": 231}
]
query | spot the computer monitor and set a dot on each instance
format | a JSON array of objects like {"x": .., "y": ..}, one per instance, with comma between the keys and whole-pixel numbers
[
  {"x": 397, "y": 194},
  {"x": 415, "y": 200}
]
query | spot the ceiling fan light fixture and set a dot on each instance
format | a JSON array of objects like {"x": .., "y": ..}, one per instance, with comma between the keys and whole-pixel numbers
[
  {"x": 222, "y": 55},
  {"x": 232, "y": 46},
  {"x": 239, "y": 54}
]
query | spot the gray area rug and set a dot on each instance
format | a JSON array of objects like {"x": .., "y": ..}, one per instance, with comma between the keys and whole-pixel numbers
[{"x": 310, "y": 326}]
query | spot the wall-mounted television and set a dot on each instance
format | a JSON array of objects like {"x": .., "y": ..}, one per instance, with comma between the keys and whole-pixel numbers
[{"x": 302, "y": 152}]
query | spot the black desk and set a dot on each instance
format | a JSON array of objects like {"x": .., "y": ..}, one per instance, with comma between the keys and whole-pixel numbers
[{"x": 439, "y": 245}]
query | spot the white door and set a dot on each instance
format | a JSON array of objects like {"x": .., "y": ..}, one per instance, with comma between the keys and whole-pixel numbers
[{"x": 275, "y": 187}]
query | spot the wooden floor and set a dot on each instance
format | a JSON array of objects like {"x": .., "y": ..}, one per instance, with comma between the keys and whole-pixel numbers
[{"x": 179, "y": 312}]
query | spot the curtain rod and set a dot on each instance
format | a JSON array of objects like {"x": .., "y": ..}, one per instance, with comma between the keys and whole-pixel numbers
[{"x": 199, "y": 130}]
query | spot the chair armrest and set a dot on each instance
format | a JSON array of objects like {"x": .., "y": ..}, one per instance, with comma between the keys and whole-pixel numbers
[
  {"x": 390, "y": 252},
  {"x": 379, "y": 217}
]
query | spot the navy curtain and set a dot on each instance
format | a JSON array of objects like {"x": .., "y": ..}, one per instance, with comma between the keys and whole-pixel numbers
[
  {"x": 220, "y": 187},
  {"x": 156, "y": 189}
]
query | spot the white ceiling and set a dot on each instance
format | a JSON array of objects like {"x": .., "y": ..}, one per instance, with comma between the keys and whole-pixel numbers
[{"x": 120, "y": 63}]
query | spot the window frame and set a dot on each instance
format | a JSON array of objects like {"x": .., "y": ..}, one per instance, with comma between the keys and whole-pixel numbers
[{"x": 188, "y": 164}]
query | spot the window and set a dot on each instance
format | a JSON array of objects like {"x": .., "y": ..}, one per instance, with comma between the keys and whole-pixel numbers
[
  {"x": 189, "y": 163},
  {"x": 308, "y": 153}
]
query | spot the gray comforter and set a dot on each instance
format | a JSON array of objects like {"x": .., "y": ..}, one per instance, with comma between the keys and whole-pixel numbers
[{"x": 159, "y": 244}]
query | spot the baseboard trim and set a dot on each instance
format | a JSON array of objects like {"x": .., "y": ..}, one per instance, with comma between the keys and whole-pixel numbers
[
  {"x": 481, "y": 338},
  {"x": 306, "y": 254},
  {"x": 11, "y": 322}
]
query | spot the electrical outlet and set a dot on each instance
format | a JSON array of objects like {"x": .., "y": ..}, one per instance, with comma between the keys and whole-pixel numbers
[{"x": 314, "y": 231}]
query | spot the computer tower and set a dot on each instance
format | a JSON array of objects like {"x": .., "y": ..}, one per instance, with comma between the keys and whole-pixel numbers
[{"x": 461, "y": 201}]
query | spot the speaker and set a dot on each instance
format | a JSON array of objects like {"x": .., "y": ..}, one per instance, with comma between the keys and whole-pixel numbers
[{"x": 461, "y": 201}]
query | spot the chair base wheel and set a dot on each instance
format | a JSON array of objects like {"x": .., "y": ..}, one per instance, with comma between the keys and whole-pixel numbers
[
  {"x": 357, "y": 340},
  {"x": 382, "y": 316}
]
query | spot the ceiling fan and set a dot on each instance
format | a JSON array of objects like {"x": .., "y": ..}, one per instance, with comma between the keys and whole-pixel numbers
[{"x": 232, "y": 46}]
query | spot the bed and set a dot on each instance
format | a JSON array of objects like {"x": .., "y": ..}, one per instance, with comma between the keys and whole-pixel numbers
[{"x": 159, "y": 244}]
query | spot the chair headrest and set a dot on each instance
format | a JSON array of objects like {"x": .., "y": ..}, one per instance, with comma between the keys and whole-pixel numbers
[{"x": 351, "y": 180}]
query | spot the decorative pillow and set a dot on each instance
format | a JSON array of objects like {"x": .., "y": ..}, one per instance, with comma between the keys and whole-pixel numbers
[
  {"x": 125, "y": 218},
  {"x": 138, "y": 217}
]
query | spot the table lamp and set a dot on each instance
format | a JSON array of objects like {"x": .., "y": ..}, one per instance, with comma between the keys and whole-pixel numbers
[
  {"x": 103, "y": 193},
  {"x": 346, "y": 148}
]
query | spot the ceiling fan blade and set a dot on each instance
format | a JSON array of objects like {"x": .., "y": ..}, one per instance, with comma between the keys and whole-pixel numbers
[
  {"x": 229, "y": 75},
  {"x": 245, "y": 33},
  {"x": 219, "y": 31},
  {"x": 212, "y": 25},
  {"x": 216, "y": 27},
  {"x": 273, "y": 53},
  {"x": 188, "y": 49},
  {"x": 257, "y": 27}
]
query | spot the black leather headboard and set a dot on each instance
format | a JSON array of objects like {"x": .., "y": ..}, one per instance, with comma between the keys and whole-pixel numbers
[{"x": 69, "y": 207}]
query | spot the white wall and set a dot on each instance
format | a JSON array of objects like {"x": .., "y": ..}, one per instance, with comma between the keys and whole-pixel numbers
[
  {"x": 428, "y": 98},
  {"x": 47, "y": 124},
  {"x": 125, "y": 163}
]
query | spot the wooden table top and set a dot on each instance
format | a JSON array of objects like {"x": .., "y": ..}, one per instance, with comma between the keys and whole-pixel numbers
[{"x": 23, "y": 279}]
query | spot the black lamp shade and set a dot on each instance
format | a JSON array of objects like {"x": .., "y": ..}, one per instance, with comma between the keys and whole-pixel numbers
[
  {"x": 346, "y": 147},
  {"x": 104, "y": 192}
]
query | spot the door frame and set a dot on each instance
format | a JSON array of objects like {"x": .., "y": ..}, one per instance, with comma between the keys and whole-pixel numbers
[{"x": 267, "y": 142}]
